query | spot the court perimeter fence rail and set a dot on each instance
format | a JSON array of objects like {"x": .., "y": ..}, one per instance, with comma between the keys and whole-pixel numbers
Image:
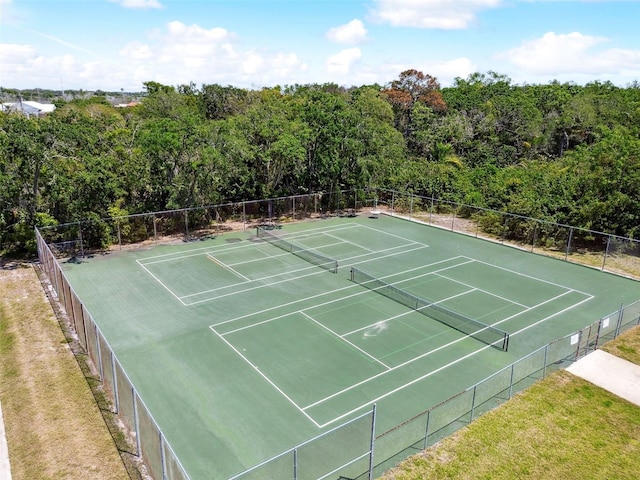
[
  {"x": 363, "y": 453},
  {"x": 604, "y": 251}
]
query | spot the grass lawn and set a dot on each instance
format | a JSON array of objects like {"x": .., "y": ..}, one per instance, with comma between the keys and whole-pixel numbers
[
  {"x": 54, "y": 427},
  {"x": 561, "y": 428}
]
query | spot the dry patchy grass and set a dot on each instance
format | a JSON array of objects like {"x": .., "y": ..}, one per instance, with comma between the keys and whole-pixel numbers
[{"x": 54, "y": 427}]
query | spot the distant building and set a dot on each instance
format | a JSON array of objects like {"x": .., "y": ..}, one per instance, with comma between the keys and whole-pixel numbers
[
  {"x": 29, "y": 108},
  {"x": 127, "y": 105}
]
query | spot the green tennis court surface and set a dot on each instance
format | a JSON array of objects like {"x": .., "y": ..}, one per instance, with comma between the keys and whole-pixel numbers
[{"x": 242, "y": 349}]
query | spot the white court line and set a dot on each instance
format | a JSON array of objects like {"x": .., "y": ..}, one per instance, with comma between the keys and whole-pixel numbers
[
  {"x": 319, "y": 272},
  {"x": 589, "y": 297},
  {"x": 224, "y": 265},
  {"x": 163, "y": 285},
  {"x": 416, "y": 358},
  {"x": 233, "y": 247},
  {"x": 289, "y": 399},
  {"x": 491, "y": 294},
  {"x": 236, "y": 292},
  {"x": 529, "y": 276},
  {"x": 528, "y": 309},
  {"x": 272, "y": 319},
  {"x": 188, "y": 253},
  {"x": 227, "y": 248},
  {"x": 309, "y": 298},
  {"x": 412, "y": 310},
  {"x": 345, "y": 340},
  {"x": 391, "y": 392},
  {"x": 342, "y": 240}
]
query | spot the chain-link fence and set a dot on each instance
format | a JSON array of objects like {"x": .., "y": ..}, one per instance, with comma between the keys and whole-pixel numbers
[
  {"x": 349, "y": 450},
  {"x": 600, "y": 250}
]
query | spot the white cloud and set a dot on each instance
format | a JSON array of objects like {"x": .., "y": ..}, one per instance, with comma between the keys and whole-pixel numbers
[
  {"x": 341, "y": 62},
  {"x": 12, "y": 54},
  {"x": 136, "y": 51},
  {"x": 190, "y": 53},
  {"x": 440, "y": 14},
  {"x": 349, "y": 33},
  {"x": 139, "y": 4},
  {"x": 447, "y": 71},
  {"x": 572, "y": 53}
]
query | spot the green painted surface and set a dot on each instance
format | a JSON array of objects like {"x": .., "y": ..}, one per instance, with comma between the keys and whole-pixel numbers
[{"x": 242, "y": 350}]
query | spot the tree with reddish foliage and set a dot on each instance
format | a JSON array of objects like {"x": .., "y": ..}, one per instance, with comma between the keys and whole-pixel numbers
[{"x": 410, "y": 88}]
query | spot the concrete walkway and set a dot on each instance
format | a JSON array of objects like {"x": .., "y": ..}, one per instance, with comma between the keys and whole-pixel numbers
[
  {"x": 611, "y": 373},
  {"x": 5, "y": 470}
]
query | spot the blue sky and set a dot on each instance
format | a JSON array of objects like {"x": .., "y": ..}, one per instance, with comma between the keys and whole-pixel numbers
[{"x": 117, "y": 45}]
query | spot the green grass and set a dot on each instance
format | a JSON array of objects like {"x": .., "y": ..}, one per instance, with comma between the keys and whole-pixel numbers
[
  {"x": 561, "y": 428},
  {"x": 626, "y": 346}
]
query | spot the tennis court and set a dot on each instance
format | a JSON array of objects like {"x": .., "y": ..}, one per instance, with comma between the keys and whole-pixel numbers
[{"x": 249, "y": 343}]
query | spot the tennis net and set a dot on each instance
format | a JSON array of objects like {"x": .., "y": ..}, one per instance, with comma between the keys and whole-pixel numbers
[
  {"x": 310, "y": 256},
  {"x": 478, "y": 330}
]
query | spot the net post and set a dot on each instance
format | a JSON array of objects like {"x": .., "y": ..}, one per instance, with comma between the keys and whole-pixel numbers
[{"x": 295, "y": 463}]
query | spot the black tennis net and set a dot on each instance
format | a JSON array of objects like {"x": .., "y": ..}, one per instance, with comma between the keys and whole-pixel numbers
[
  {"x": 310, "y": 256},
  {"x": 478, "y": 330}
]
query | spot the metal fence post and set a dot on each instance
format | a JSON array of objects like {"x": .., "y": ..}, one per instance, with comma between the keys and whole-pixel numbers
[
  {"x": 473, "y": 403},
  {"x": 186, "y": 225},
  {"x": 81, "y": 242},
  {"x": 116, "y": 400},
  {"x": 136, "y": 424},
  {"x": 606, "y": 252},
  {"x": 163, "y": 461},
  {"x": 411, "y": 207},
  {"x": 544, "y": 367},
  {"x": 155, "y": 230},
  {"x": 295, "y": 463},
  {"x": 453, "y": 218},
  {"x": 373, "y": 439},
  {"x": 426, "y": 431},
  {"x": 100, "y": 366},
  {"x": 566, "y": 254},
  {"x": 619, "y": 322},
  {"x": 119, "y": 234},
  {"x": 511, "y": 381},
  {"x": 431, "y": 210}
]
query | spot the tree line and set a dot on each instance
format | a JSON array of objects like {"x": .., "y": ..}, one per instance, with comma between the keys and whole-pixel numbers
[{"x": 560, "y": 152}]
